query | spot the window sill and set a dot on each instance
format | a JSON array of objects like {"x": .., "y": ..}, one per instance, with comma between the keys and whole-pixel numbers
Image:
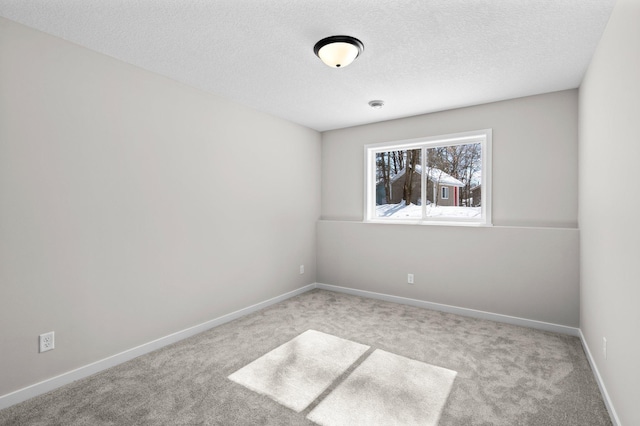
[{"x": 429, "y": 223}]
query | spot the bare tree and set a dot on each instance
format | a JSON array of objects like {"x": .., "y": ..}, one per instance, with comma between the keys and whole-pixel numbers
[
  {"x": 412, "y": 160},
  {"x": 437, "y": 163},
  {"x": 470, "y": 165},
  {"x": 398, "y": 161},
  {"x": 383, "y": 173}
]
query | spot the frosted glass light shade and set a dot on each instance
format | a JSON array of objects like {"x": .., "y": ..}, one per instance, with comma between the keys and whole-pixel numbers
[{"x": 338, "y": 51}]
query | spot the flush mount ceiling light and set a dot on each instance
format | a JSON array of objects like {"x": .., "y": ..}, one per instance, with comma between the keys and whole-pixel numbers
[
  {"x": 376, "y": 104},
  {"x": 338, "y": 51}
]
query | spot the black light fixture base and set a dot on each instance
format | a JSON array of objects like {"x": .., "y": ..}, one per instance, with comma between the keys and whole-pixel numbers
[{"x": 339, "y": 39}]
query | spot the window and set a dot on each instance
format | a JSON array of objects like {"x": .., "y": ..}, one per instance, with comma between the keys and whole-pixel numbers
[
  {"x": 445, "y": 193},
  {"x": 443, "y": 179}
]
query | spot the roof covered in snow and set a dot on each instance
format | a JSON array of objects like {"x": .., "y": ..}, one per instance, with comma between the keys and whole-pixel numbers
[{"x": 435, "y": 175}]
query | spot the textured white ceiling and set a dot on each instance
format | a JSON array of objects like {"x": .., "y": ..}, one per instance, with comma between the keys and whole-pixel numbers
[{"x": 420, "y": 56}]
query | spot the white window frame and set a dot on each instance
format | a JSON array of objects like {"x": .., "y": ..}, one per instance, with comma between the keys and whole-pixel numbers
[
  {"x": 445, "y": 190},
  {"x": 484, "y": 137}
]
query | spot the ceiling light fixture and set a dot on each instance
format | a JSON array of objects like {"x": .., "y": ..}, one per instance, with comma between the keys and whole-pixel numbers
[
  {"x": 376, "y": 104},
  {"x": 338, "y": 51}
]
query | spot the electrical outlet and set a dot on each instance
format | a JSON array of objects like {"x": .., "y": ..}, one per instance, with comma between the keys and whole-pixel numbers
[
  {"x": 604, "y": 347},
  {"x": 47, "y": 341},
  {"x": 410, "y": 278},
  {"x": 301, "y": 269}
]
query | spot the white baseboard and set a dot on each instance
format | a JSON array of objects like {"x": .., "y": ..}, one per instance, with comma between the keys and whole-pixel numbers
[
  {"x": 455, "y": 310},
  {"x": 494, "y": 317},
  {"x": 79, "y": 373},
  {"x": 603, "y": 390},
  {"x": 90, "y": 369}
]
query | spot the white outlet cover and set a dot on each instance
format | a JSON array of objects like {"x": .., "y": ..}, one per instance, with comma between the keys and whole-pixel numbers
[{"x": 47, "y": 341}]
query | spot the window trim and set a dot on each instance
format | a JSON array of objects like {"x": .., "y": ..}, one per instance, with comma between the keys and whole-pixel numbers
[
  {"x": 445, "y": 189},
  {"x": 483, "y": 136}
]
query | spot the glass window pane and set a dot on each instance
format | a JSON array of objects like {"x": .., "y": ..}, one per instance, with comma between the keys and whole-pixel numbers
[
  {"x": 453, "y": 181},
  {"x": 399, "y": 184},
  {"x": 450, "y": 188}
]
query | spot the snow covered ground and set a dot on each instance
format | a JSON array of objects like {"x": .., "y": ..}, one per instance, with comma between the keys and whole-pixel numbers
[{"x": 412, "y": 211}]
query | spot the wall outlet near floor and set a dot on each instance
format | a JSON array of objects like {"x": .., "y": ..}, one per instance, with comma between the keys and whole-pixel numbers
[
  {"x": 301, "y": 269},
  {"x": 604, "y": 347},
  {"x": 47, "y": 341},
  {"x": 410, "y": 278}
]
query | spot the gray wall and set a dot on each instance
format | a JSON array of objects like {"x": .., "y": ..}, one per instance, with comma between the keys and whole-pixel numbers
[
  {"x": 522, "y": 272},
  {"x": 123, "y": 208},
  {"x": 535, "y": 160},
  {"x": 610, "y": 232},
  {"x": 525, "y": 266}
]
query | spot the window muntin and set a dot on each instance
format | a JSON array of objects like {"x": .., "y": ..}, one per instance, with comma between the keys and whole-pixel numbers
[{"x": 455, "y": 187}]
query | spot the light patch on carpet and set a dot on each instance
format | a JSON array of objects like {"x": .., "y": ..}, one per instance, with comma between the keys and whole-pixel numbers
[
  {"x": 297, "y": 372},
  {"x": 387, "y": 389}
]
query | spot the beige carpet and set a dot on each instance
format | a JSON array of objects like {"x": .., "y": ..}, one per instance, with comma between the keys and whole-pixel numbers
[
  {"x": 297, "y": 372},
  {"x": 507, "y": 375},
  {"x": 387, "y": 389}
]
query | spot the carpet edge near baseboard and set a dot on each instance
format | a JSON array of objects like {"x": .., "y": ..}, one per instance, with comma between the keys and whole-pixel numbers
[
  {"x": 467, "y": 312},
  {"x": 603, "y": 389},
  {"x": 539, "y": 325},
  {"x": 60, "y": 380}
]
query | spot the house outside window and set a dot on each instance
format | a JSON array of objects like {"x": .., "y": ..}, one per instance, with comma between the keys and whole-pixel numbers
[{"x": 436, "y": 180}]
